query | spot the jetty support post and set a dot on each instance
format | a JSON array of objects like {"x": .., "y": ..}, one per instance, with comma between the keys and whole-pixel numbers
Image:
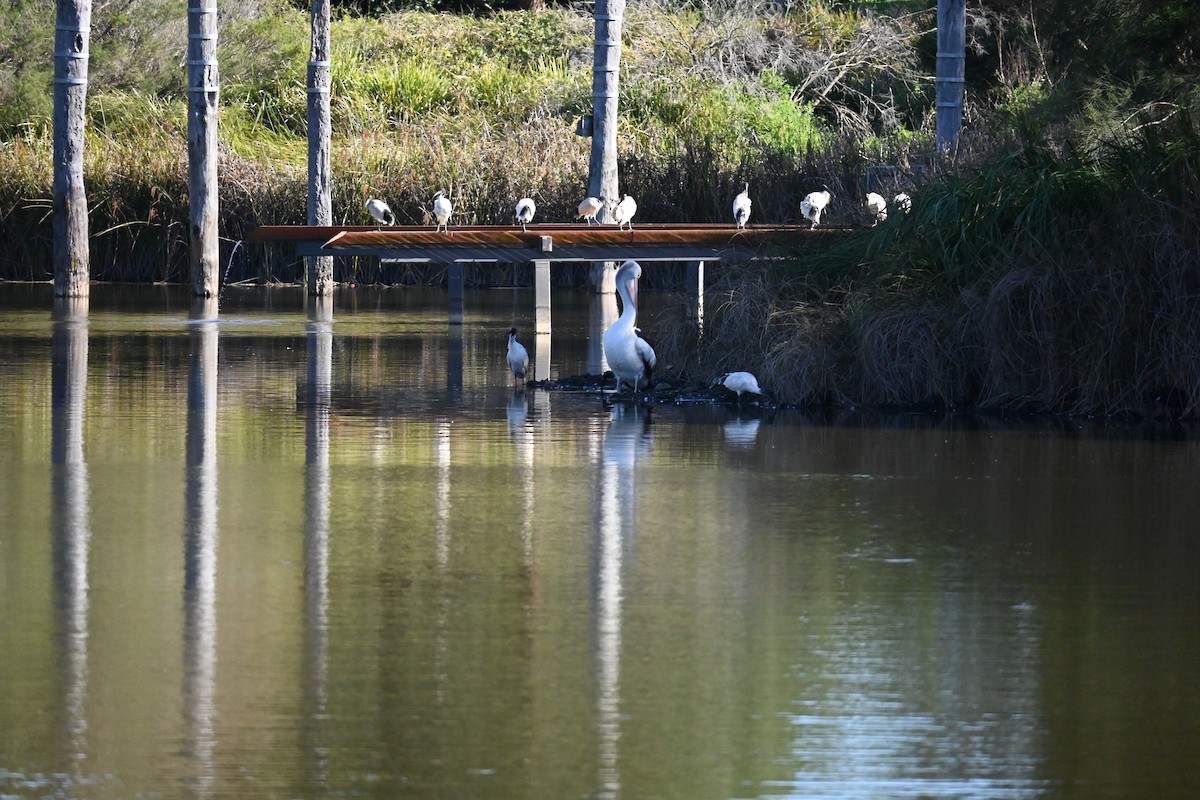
[
  {"x": 454, "y": 289},
  {"x": 204, "y": 86},
  {"x": 72, "y": 254},
  {"x": 320, "y": 206},
  {"x": 694, "y": 287},
  {"x": 951, "y": 71},
  {"x": 603, "y": 180}
]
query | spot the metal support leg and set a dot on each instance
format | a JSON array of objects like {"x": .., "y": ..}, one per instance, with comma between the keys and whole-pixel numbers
[{"x": 454, "y": 287}]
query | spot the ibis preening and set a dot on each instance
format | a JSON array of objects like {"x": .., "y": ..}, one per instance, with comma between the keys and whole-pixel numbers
[
  {"x": 903, "y": 202},
  {"x": 741, "y": 208},
  {"x": 629, "y": 356},
  {"x": 813, "y": 204},
  {"x": 442, "y": 210},
  {"x": 589, "y": 208},
  {"x": 518, "y": 356},
  {"x": 742, "y": 383},
  {"x": 624, "y": 211},
  {"x": 876, "y": 208},
  {"x": 524, "y": 211},
  {"x": 380, "y": 212}
]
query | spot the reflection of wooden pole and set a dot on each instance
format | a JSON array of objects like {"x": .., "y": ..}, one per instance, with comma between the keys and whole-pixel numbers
[
  {"x": 319, "y": 359},
  {"x": 203, "y": 97},
  {"x": 951, "y": 72},
  {"x": 320, "y": 206},
  {"x": 71, "y": 254}
]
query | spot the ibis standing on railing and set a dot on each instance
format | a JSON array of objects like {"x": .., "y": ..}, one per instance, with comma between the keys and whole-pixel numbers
[
  {"x": 629, "y": 356},
  {"x": 442, "y": 210},
  {"x": 741, "y": 208}
]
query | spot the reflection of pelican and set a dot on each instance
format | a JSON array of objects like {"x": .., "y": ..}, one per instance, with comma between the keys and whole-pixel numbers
[
  {"x": 629, "y": 356},
  {"x": 627, "y": 439},
  {"x": 319, "y": 362},
  {"x": 200, "y": 544},
  {"x": 602, "y": 312},
  {"x": 71, "y": 530}
]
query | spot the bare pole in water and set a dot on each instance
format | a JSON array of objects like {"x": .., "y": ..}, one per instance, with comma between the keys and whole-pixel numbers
[
  {"x": 951, "y": 71},
  {"x": 320, "y": 206},
  {"x": 606, "y": 78},
  {"x": 204, "y": 90},
  {"x": 72, "y": 255}
]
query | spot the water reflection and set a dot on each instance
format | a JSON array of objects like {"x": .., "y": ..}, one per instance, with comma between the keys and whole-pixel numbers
[
  {"x": 71, "y": 531},
  {"x": 454, "y": 366},
  {"x": 628, "y": 438},
  {"x": 200, "y": 547},
  {"x": 318, "y": 392},
  {"x": 602, "y": 312},
  {"x": 741, "y": 432}
]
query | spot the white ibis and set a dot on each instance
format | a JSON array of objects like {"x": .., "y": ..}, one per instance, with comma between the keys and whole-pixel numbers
[
  {"x": 876, "y": 208},
  {"x": 741, "y": 208},
  {"x": 629, "y": 356},
  {"x": 380, "y": 212},
  {"x": 518, "y": 356},
  {"x": 524, "y": 211},
  {"x": 813, "y": 204},
  {"x": 742, "y": 383},
  {"x": 442, "y": 210},
  {"x": 589, "y": 208},
  {"x": 903, "y": 202},
  {"x": 624, "y": 211}
]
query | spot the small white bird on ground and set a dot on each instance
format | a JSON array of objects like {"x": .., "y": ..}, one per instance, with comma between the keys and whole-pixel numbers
[
  {"x": 380, "y": 212},
  {"x": 518, "y": 356},
  {"x": 876, "y": 208},
  {"x": 524, "y": 211},
  {"x": 624, "y": 211},
  {"x": 813, "y": 204},
  {"x": 742, "y": 383},
  {"x": 741, "y": 208},
  {"x": 442, "y": 210},
  {"x": 903, "y": 202},
  {"x": 629, "y": 356},
  {"x": 589, "y": 208}
]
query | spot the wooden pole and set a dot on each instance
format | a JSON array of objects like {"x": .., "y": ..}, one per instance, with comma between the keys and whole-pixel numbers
[
  {"x": 606, "y": 79},
  {"x": 204, "y": 89},
  {"x": 320, "y": 206},
  {"x": 951, "y": 72},
  {"x": 71, "y": 252}
]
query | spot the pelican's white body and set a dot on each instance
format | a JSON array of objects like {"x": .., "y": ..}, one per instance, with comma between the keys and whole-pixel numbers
[
  {"x": 518, "y": 356},
  {"x": 629, "y": 356},
  {"x": 442, "y": 210},
  {"x": 624, "y": 211},
  {"x": 876, "y": 207},
  {"x": 589, "y": 208},
  {"x": 380, "y": 212},
  {"x": 741, "y": 208},
  {"x": 813, "y": 204},
  {"x": 525, "y": 210}
]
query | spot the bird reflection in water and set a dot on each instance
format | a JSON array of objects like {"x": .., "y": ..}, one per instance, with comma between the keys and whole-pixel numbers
[{"x": 627, "y": 439}]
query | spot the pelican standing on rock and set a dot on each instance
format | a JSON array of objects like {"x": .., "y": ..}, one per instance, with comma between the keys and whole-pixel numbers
[
  {"x": 624, "y": 212},
  {"x": 741, "y": 208},
  {"x": 813, "y": 204},
  {"x": 518, "y": 356},
  {"x": 442, "y": 210},
  {"x": 589, "y": 208},
  {"x": 380, "y": 212},
  {"x": 524, "y": 211},
  {"x": 742, "y": 383},
  {"x": 629, "y": 356}
]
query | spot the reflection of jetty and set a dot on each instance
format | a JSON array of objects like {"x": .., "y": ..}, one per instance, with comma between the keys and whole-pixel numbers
[{"x": 546, "y": 244}]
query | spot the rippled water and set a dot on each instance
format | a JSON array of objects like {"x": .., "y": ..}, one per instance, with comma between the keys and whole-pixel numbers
[{"x": 276, "y": 554}]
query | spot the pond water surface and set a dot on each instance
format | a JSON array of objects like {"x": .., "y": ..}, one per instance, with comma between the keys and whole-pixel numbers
[{"x": 286, "y": 554}]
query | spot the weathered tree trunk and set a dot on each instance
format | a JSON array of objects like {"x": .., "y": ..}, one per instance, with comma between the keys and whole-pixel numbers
[
  {"x": 71, "y": 251},
  {"x": 204, "y": 90},
  {"x": 320, "y": 206},
  {"x": 606, "y": 79},
  {"x": 952, "y": 42}
]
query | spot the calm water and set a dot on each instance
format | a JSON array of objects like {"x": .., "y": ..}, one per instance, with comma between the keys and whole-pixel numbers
[{"x": 275, "y": 555}]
